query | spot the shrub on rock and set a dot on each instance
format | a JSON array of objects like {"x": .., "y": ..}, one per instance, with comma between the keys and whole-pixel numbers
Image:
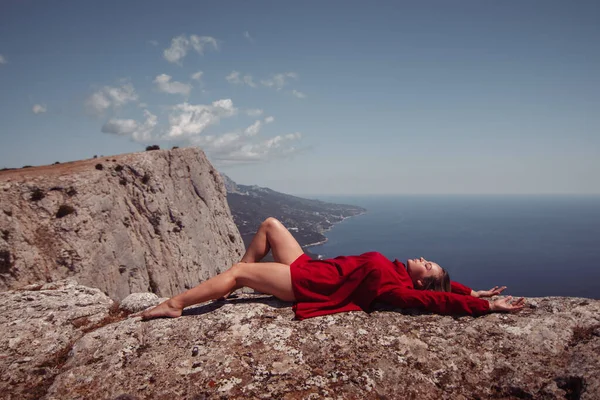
[
  {"x": 37, "y": 194},
  {"x": 64, "y": 210}
]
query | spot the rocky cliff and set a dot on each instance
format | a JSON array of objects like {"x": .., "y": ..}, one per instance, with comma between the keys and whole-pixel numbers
[
  {"x": 65, "y": 341},
  {"x": 154, "y": 221}
]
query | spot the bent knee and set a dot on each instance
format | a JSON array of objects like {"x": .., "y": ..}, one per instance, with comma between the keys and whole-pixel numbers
[
  {"x": 237, "y": 270},
  {"x": 242, "y": 274},
  {"x": 271, "y": 223}
]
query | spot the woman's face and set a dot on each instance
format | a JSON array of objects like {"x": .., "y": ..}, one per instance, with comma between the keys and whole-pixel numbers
[{"x": 420, "y": 268}]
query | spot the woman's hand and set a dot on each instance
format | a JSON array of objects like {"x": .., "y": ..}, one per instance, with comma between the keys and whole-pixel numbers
[
  {"x": 496, "y": 290},
  {"x": 505, "y": 305}
]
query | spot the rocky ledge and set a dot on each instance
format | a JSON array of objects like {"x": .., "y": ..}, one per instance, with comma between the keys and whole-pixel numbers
[{"x": 66, "y": 341}]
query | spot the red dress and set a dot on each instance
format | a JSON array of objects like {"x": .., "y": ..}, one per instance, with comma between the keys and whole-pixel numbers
[{"x": 353, "y": 283}]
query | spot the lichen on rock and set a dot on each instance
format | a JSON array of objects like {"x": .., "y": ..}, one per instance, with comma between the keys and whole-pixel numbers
[{"x": 53, "y": 345}]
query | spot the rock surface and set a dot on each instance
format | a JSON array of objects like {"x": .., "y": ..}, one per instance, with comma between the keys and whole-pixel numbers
[
  {"x": 154, "y": 221},
  {"x": 137, "y": 302},
  {"x": 251, "y": 347},
  {"x": 38, "y": 328}
]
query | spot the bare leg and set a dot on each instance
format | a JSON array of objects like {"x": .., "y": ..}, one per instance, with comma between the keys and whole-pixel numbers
[
  {"x": 271, "y": 235},
  {"x": 270, "y": 278}
]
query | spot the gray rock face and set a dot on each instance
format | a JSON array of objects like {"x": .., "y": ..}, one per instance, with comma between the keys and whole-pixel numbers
[
  {"x": 251, "y": 347},
  {"x": 154, "y": 221}
]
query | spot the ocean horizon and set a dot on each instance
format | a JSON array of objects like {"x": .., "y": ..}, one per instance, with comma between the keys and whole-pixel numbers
[{"x": 536, "y": 245}]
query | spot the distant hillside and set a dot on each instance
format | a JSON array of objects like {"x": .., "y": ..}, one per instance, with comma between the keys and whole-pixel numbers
[{"x": 306, "y": 219}]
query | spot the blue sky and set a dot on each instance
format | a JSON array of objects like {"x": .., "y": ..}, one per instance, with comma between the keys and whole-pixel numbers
[{"x": 335, "y": 97}]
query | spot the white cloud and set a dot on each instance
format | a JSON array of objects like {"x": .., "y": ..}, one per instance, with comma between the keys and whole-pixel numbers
[
  {"x": 238, "y": 147},
  {"x": 293, "y": 136},
  {"x": 199, "y": 42},
  {"x": 255, "y": 152},
  {"x": 164, "y": 84},
  {"x": 197, "y": 76},
  {"x": 235, "y": 78},
  {"x": 180, "y": 46},
  {"x": 223, "y": 142},
  {"x": 129, "y": 127},
  {"x": 298, "y": 94},
  {"x": 98, "y": 102},
  {"x": 121, "y": 127},
  {"x": 2, "y": 59},
  {"x": 189, "y": 120},
  {"x": 253, "y": 129},
  {"x": 248, "y": 36},
  {"x": 189, "y": 123},
  {"x": 110, "y": 97},
  {"x": 254, "y": 112},
  {"x": 39, "y": 108},
  {"x": 233, "y": 148},
  {"x": 278, "y": 81},
  {"x": 178, "y": 50},
  {"x": 153, "y": 42},
  {"x": 144, "y": 132},
  {"x": 249, "y": 81}
]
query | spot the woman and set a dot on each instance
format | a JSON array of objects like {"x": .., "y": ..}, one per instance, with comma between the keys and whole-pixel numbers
[{"x": 320, "y": 287}]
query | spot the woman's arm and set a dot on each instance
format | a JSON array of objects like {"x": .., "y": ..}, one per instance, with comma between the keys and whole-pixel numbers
[
  {"x": 447, "y": 303},
  {"x": 496, "y": 290},
  {"x": 459, "y": 288},
  {"x": 505, "y": 305},
  {"x": 436, "y": 302}
]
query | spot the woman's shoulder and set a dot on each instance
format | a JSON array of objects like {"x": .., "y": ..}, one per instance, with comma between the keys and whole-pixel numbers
[
  {"x": 374, "y": 254},
  {"x": 375, "y": 257},
  {"x": 368, "y": 255}
]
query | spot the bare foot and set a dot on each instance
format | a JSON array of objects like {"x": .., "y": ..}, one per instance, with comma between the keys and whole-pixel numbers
[{"x": 166, "y": 309}]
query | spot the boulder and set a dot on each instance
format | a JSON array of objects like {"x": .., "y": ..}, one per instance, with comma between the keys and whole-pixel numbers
[{"x": 137, "y": 302}]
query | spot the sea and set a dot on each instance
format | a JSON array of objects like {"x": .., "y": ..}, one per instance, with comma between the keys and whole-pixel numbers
[{"x": 545, "y": 245}]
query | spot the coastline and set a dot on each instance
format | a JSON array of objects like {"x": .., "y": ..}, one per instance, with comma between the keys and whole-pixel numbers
[{"x": 327, "y": 230}]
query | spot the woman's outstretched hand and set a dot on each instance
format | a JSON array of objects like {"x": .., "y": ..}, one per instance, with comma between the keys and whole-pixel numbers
[
  {"x": 506, "y": 305},
  {"x": 496, "y": 290}
]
